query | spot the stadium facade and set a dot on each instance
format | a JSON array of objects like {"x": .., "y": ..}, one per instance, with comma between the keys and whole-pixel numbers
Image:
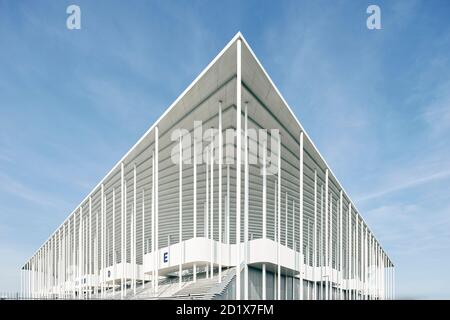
[{"x": 195, "y": 210}]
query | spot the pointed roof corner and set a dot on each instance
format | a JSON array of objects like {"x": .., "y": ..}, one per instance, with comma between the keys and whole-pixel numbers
[{"x": 239, "y": 35}]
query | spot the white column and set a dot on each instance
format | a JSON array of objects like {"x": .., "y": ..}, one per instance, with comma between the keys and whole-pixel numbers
[
  {"x": 153, "y": 224},
  {"x": 157, "y": 203},
  {"x": 361, "y": 260},
  {"x": 55, "y": 265},
  {"x": 102, "y": 241},
  {"x": 315, "y": 237},
  {"x": 358, "y": 257},
  {"x": 349, "y": 251},
  {"x": 341, "y": 246},
  {"x": 321, "y": 245},
  {"x": 379, "y": 270},
  {"x": 264, "y": 216},
  {"x": 80, "y": 253},
  {"x": 143, "y": 237},
  {"x": 228, "y": 212},
  {"x": 375, "y": 260},
  {"x": 301, "y": 217},
  {"x": 61, "y": 273},
  {"x": 133, "y": 226},
  {"x": 122, "y": 228},
  {"x": 393, "y": 283},
  {"x": 327, "y": 261},
  {"x": 389, "y": 280},
  {"x": 211, "y": 202},
  {"x": 366, "y": 262},
  {"x": 71, "y": 259},
  {"x": 180, "y": 219},
  {"x": 194, "y": 209},
  {"x": 294, "y": 248},
  {"x": 264, "y": 193},
  {"x": 238, "y": 170},
  {"x": 113, "y": 238},
  {"x": 391, "y": 297},
  {"x": 220, "y": 192},
  {"x": 246, "y": 203},
  {"x": 384, "y": 275},
  {"x": 370, "y": 266},
  {"x": 279, "y": 219},
  {"x": 330, "y": 273},
  {"x": 90, "y": 246},
  {"x": 207, "y": 233},
  {"x": 96, "y": 252}
]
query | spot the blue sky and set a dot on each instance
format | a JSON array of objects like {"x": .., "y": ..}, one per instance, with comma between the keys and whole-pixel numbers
[{"x": 375, "y": 102}]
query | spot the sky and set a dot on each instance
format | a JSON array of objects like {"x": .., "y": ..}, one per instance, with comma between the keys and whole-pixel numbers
[{"x": 375, "y": 102}]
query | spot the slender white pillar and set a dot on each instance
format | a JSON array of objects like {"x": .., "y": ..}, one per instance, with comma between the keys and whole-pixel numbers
[
  {"x": 379, "y": 291},
  {"x": 264, "y": 193},
  {"x": 393, "y": 282},
  {"x": 341, "y": 245},
  {"x": 294, "y": 248},
  {"x": 264, "y": 214},
  {"x": 357, "y": 256},
  {"x": 238, "y": 169},
  {"x": 207, "y": 233},
  {"x": 180, "y": 219},
  {"x": 246, "y": 202},
  {"x": 133, "y": 226},
  {"x": 122, "y": 228},
  {"x": 332, "y": 252},
  {"x": 349, "y": 252},
  {"x": 366, "y": 259},
  {"x": 327, "y": 261},
  {"x": 228, "y": 212},
  {"x": 220, "y": 192},
  {"x": 321, "y": 245},
  {"x": 80, "y": 251},
  {"x": 390, "y": 280},
  {"x": 102, "y": 241},
  {"x": 113, "y": 239},
  {"x": 301, "y": 174},
  {"x": 153, "y": 225},
  {"x": 370, "y": 265},
  {"x": 72, "y": 256},
  {"x": 157, "y": 202},
  {"x": 194, "y": 208},
  {"x": 211, "y": 201},
  {"x": 61, "y": 271},
  {"x": 315, "y": 237},
  {"x": 125, "y": 239},
  {"x": 279, "y": 219},
  {"x": 376, "y": 270},
  {"x": 143, "y": 237}
]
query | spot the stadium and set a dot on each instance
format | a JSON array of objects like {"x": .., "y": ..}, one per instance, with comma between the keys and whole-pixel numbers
[{"x": 224, "y": 197}]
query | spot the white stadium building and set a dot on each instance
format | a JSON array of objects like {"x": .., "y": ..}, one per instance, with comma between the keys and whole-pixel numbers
[{"x": 196, "y": 211}]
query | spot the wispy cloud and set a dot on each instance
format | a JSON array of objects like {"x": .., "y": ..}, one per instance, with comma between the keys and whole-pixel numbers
[
  {"x": 409, "y": 182},
  {"x": 19, "y": 190}
]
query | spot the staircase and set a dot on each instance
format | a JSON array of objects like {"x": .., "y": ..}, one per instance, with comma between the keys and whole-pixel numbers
[{"x": 168, "y": 289}]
